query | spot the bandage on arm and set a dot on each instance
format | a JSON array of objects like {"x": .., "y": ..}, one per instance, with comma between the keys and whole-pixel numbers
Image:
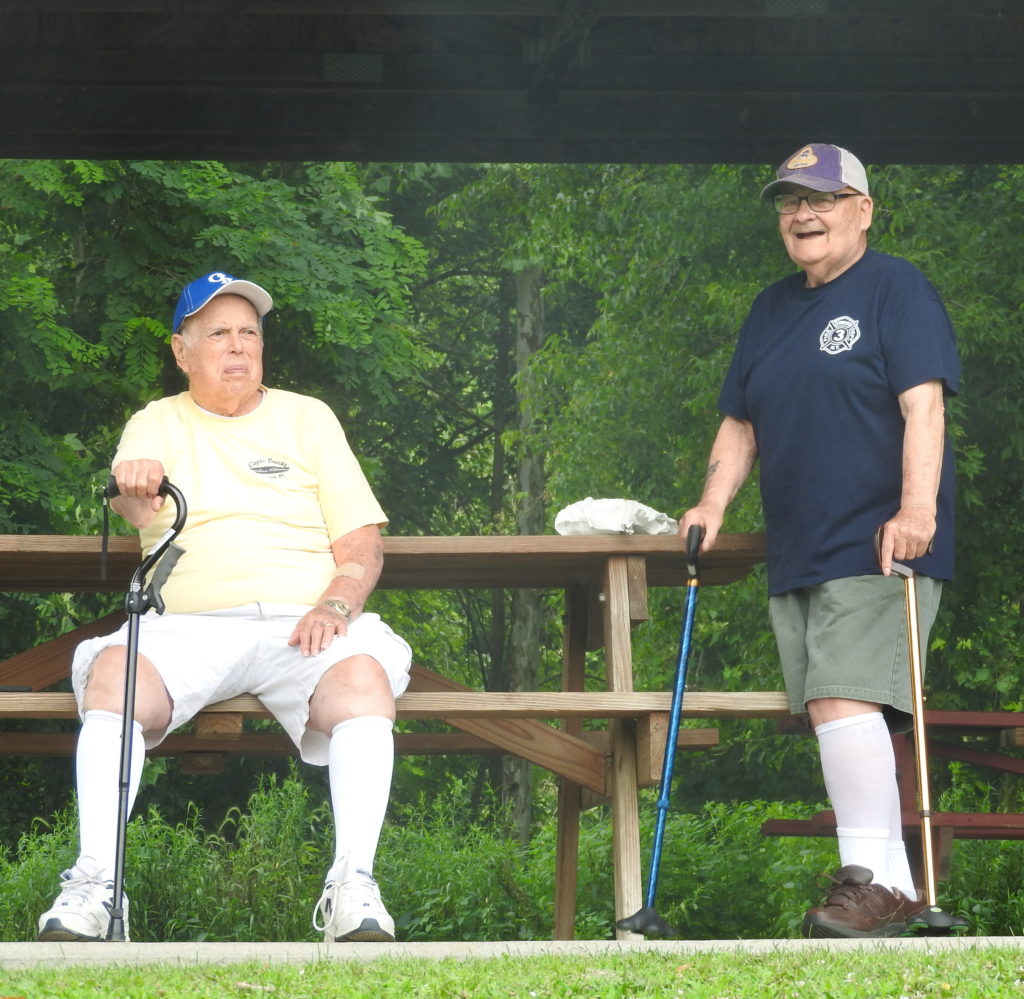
[{"x": 353, "y": 570}]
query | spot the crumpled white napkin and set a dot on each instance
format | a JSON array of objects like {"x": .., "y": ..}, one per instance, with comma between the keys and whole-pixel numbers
[{"x": 612, "y": 516}]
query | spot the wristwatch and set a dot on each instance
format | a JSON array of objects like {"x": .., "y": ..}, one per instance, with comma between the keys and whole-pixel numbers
[{"x": 338, "y": 605}]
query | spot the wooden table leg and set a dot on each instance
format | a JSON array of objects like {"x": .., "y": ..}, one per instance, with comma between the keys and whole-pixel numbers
[
  {"x": 622, "y": 746},
  {"x": 568, "y": 845}
]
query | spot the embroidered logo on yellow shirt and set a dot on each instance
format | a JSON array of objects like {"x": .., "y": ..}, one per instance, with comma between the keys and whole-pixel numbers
[{"x": 271, "y": 468}]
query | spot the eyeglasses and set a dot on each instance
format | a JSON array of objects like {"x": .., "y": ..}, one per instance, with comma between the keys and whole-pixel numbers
[{"x": 817, "y": 201}]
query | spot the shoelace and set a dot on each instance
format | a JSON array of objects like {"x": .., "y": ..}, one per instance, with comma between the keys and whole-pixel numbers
[
  {"x": 78, "y": 888},
  {"x": 842, "y": 892},
  {"x": 362, "y": 886},
  {"x": 322, "y": 910}
]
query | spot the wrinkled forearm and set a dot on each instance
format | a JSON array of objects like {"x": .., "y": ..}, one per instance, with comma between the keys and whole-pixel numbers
[
  {"x": 732, "y": 458},
  {"x": 359, "y": 556}
]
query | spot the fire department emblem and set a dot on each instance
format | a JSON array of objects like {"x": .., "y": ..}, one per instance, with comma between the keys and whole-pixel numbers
[{"x": 840, "y": 334}]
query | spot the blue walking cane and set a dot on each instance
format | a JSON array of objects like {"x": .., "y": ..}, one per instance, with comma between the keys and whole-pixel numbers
[{"x": 646, "y": 919}]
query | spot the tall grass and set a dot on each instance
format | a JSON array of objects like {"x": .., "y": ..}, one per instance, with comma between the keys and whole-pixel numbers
[{"x": 449, "y": 871}]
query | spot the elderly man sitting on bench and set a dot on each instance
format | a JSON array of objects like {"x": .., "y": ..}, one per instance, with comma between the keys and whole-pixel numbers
[{"x": 282, "y": 549}]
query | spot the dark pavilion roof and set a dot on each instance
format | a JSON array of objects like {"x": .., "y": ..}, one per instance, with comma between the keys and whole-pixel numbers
[{"x": 913, "y": 81}]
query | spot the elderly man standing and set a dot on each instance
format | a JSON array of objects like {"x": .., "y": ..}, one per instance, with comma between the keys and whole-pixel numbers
[
  {"x": 837, "y": 386},
  {"x": 282, "y": 549}
]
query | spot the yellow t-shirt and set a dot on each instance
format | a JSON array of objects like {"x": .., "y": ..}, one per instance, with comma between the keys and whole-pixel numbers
[{"x": 266, "y": 493}]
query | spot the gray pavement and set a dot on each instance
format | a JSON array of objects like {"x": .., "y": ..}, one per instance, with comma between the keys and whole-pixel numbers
[{"x": 26, "y": 955}]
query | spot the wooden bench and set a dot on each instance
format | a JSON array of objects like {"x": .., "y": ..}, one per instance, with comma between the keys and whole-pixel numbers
[{"x": 489, "y": 721}]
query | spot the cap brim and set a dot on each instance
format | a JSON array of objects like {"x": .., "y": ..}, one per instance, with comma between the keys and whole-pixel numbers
[
  {"x": 260, "y": 298},
  {"x": 803, "y": 180}
]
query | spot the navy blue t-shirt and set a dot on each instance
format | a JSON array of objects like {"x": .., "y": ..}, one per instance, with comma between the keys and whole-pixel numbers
[{"x": 817, "y": 372}]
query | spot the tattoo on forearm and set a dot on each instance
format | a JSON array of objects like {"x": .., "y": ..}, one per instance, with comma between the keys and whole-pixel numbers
[{"x": 712, "y": 468}]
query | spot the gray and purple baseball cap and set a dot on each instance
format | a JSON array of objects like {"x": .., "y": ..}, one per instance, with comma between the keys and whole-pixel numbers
[
  {"x": 196, "y": 294},
  {"x": 820, "y": 167}
]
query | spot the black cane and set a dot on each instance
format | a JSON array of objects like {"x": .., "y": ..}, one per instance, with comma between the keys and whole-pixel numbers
[{"x": 137, "y": 601}]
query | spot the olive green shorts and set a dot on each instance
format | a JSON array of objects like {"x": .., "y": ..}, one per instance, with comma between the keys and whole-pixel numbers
[{"x": 848, "y": 638}]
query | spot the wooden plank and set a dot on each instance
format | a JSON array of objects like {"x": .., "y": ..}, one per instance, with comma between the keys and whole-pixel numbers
[
  {"x": 574, "y": 663},
  {"x": 651, "y": 736},
  {"x": 974, "y": 719},
  {"x": 625, "y": 823},
  {"x": 272, "y": 743},
  {"x": 965, "y": 825},
  {"x": 50, "y": 662},
  {"x": 70, "y": 563},
  {"x": 618, "y": 644},
  {"x": 636, "y": 584},
  {"x": 548, "y": 747},
  {"x": 622, "y": 782},
  {"x": 978, "y": 757},
  {"x": 468, "y": 704},
  {"x": 246, "y": 744},
  {"x": 223, "y": 725}
]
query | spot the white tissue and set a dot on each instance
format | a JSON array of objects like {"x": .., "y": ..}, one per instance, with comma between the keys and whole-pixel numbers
[{"x": 612, "y": 516}]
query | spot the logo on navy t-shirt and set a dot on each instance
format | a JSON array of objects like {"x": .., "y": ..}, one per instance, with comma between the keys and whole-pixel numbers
[{"x": 840, "y": 334}]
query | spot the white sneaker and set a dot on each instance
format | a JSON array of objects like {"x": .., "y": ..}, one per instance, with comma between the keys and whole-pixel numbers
[
  {"x": 352, "y": 910},
  {"x": 82, "y": 909}
]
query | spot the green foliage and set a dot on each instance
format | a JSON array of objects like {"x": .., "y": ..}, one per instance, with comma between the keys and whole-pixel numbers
[
  {"x": 451, "y": 869},
  {"x": 395, "y": 304}
]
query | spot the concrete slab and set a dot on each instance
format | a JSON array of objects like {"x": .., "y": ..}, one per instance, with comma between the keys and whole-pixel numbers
[{"x": 26, "y": 955}]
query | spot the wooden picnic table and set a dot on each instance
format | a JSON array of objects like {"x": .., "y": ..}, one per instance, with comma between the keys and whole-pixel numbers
[{"x": 605, "y": 579}]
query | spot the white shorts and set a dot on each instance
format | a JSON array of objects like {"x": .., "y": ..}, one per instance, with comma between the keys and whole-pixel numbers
[{"x": 205, "y": 658}]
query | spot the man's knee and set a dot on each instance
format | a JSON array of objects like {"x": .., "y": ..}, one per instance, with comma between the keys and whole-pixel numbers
[
  {"x": 104, "y": 689},
  {"x": 353, "y": 687}
]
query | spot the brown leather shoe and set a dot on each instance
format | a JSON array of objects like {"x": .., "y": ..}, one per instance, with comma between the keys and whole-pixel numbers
[{"x": 854, "y": 907}]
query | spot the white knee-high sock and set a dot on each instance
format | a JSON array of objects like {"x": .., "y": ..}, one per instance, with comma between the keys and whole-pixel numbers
[
  {"x": 859, "y": 768},
  {"x": 361, "y": 761},
  {"x": 97, "y": 771},
  {"x": 899, "y": 867}
]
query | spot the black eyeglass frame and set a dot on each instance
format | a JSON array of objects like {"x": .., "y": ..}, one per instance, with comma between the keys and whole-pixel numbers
[{"x": 826, "y": 207}]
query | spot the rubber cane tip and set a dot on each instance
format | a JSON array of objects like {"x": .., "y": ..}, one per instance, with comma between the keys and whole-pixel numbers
[
  {"x": 646, "y": 921},
  {"x": 936, "y": 922}
]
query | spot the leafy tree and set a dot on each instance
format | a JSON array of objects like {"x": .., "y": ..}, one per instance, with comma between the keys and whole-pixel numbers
[
  {"x": 395, "y": 286},
  {"x": 92, "y": 258}
]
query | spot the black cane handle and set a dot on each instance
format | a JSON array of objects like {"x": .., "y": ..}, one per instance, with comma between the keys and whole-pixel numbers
[
  {"x": 694, "y": 537},
  {"x": 897, "y": 567}
]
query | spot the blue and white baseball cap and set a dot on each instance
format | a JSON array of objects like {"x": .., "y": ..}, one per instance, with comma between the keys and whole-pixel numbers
[
  {"x": 820, "y": 167},
  {"x": 200, "y": 291}
]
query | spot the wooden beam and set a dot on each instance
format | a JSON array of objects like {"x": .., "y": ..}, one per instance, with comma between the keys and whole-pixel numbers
[
  {"x": 551, "y": 748},
  {"x": 462, "y": 705},
  {"x": 246, "y": 744},
  {"x": 651, "y": 737},
  {"x": 70, "y": 563},
  {"x": 49, "y": 662}
]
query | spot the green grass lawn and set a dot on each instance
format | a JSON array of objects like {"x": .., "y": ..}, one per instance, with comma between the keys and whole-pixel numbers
[{"x": 968, "y": 972}]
